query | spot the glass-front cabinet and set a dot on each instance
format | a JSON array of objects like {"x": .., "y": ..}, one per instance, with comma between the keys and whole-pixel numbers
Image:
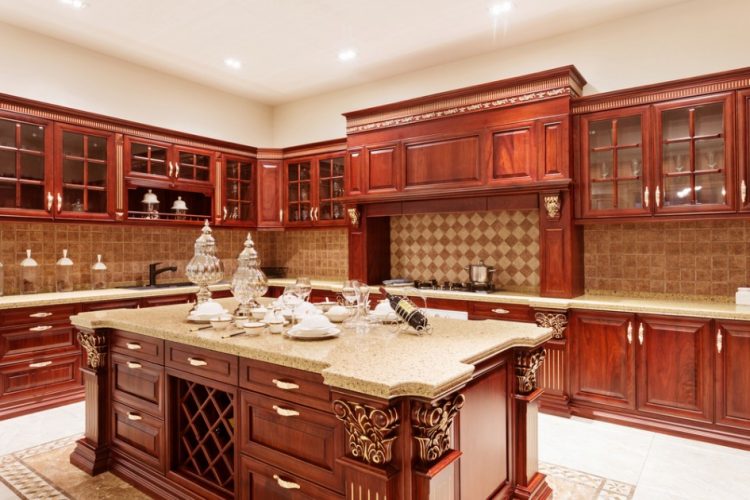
[
  {"x": 238, "y": 191},
  {"x": 162, "y": 161},
  {"x": 314, "y": 191},
  {"x": 26, "y": 178},
  {"x": 743, "y": 157},
  {"x": 615, "y": 163},
  {"x": 694, "y": 159}
]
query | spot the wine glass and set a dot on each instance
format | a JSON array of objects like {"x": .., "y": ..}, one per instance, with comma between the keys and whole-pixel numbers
[
  {"x": 291, "y": 299},
  {"x": 304, "y": 288},
  {"x": 349, "y": 292},
  {"x": 363, "y": 304}
]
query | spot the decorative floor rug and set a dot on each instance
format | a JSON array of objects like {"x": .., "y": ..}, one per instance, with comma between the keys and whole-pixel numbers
[{"x": 45, "y": 472}]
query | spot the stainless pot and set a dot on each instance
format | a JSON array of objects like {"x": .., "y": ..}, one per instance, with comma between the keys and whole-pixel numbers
[{"x": 479, "y": 273}]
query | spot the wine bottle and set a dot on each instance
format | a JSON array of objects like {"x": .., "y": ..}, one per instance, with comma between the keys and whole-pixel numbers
[{"x": 406, "y": 309}]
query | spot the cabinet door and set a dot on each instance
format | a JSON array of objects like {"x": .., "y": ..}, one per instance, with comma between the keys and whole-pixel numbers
[
  {"x": 442, "y": 161},
  {"x": 148, "y": 159},
  {"x": 260, "y": 481},
  {"x": 603, "y": 358},
  {"x": 25, "y": 167},
  {"x": 382, "y": 168},
  {"x": 238, "y": 191},
  {"x": 694, "y": 155},
  {"x": 353, "y": 170},
  {"x": 733, "y": 373},
  {"x": 84, "y": 173},
  {"x": 299, "y": 182},
  {"x": 329, "y": 208},
  {"x": 674, "y": 367},
  {"x": 270, "y": 211},
  {"x": 615, "y": 164},
  {"x": 743, "y": 158},
  {"x": 554, "y": 148},
  {"x": 514, "y": 154},
  {"x": 193, "y": 165}
]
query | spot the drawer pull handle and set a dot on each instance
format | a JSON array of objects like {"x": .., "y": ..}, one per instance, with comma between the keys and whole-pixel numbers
[
  {"x": 134, "y": 416},
  {"x": 285, "y": 412},
  {"x": 41, "y": 364},
  {"x": 500, "y": 311},
  {"x": 640, "y": 334},
  {"x": 719, "y": 341},
  {"x": 40, "y": 315},
  {"x": 40, "y": 328},
  {"x": 134, "y": 364},
  {"x": 197, "y": 362},
  {"x": 630, "y": 332},
  {"x": 287, "y": 386},
  {"x": 133, "y": 346},
  {"x": 287, "y": 485}
]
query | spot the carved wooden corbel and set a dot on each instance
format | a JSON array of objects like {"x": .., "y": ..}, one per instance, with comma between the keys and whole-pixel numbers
[
  {"x": 431, "y": 425},
  {"x": 527, "y": 364},
  {"x": 370, "y": 432},
  {"x": 553, "y": 205},
  {"x": 353, "y": 216},
  {"x": 557, "y": 321},
  {"x": 95, "y": 346}
]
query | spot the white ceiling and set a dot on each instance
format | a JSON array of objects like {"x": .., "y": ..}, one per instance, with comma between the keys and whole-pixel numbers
[{"x": 289, "y": 48}]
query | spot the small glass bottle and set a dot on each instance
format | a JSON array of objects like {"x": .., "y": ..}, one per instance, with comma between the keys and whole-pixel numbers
[
  {"x": 98, "y": 274},
  {"x": 29, "y": 274},
  {"x": 64, "y": 274}
]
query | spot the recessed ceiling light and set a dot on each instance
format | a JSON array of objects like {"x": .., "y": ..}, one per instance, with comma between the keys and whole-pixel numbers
[
  {"x": 501, "y": 8},
  {"x": 233, "y": 63},
  {"x": 347, "y": 55},
  {"x": 76, "y": 4}
]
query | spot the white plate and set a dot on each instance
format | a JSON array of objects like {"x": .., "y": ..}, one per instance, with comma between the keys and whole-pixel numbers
[{"x": 327, "y": 333}]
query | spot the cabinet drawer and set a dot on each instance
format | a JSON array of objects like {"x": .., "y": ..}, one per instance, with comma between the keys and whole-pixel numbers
[
  {"x": 38, "y": 316},
  {"x": 22, "y": 342},
  {"x": 286, "y": 383},
  {"x": 138, "y": 346},
  {"x": 138, "y": 434},
  {"x": 139, "y": 384},
  {"x": 202, "y": 362},
  {"x": 304, "y": 441},
  {"x": 40, "y": 377},
  {"x": 167, "y": 300},
  {"x": 260, "y": 481},
  {"x": 111, "y": 304},
  {"x": 490, "y": 310}
]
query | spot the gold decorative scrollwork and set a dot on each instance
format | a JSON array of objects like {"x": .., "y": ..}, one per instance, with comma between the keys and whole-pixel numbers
[
  {"x": 557, "y": 321},
  {"x": 527, "y": 364},
  {"x": 95, "y": 347},
  {"x": 431, "y": 424},
  {"x": 553, "y": 203},
  {"x": 353, "y": 216},
  {"x": 369, "y": 431}
]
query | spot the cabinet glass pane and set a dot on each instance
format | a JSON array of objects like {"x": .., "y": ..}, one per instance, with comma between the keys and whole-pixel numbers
[
  {"x": 72, "y": 171},
  {"x": 232, "y": 210},
  {"x": 186, "y": 158},
  {"x": 629, "y": 162},
  {"x": 97, "y": 148},
  {"x": 600, "y": 166},
  {"x": 293, "y": 192},
  {"x": 675, "y": 124},
  {"x": 629, "y": 194},
  {"x": 304, "y": 171},
  {"x": 73, "y": 199},
  {"x": 709, "y": 154},
  {"x": 246, "y": 171},
  {"x": 158, "y": 154},
  {"x": 709, "y": 119},
  {"x": 246, "y": 191},
  {"x": 97, "y": 202},
  {"x": 325, "y": 189},
  {"x": 325, "y": 211},
  {"x": 629, "y": 130},
  {"x": 600, "y": 134},
  {"x": 32, "y": 196},
  {"x": 676, "y": 157},
  {"x": 72, "y": 144},
  {"x": 7, "y": 133},
  {"x": 293, "y": 213},
  {"x": 32, "y": 167},
  {"x": 304, "y": 191},
  {"x": 138, "y": 165},
  {"x": 7, "y": 195},
  {"x": 7, "y": 163},
  {"x": 602, "y": 196},
  {"x": 232, "y": 169},
  {"x": 158, "y": 167},
  {"x": 338, "y": 211},
  {"x": 233, "y": 190},
  {"x": 140, "y": 150},
  {"x": 246, "y": 211},
  {"x": 325, "y": 168},
  {"x": 338, "y": 188},
  {"x": 677, "y": 191},
  {"x": 293, "y": 171},
  {"x": 304, "y": 211},
  {"x": 32, "y": 137},
  {"x": 710, "y": 189},
  {"x": 203, "y": 160},
  {"x": 97, "y": 174},
  {"x": 201, "y": 174},
  {"x": 338, "y": 167}
]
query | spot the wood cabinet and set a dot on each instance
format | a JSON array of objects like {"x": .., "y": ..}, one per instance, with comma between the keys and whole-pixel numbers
[
  {"x": 743, "y": 148},
  {"x": 732, "y": 352},
  {"x": 314, "y": 191},
  {"x": 270, "y": 197},
  {"x": 444, "y": 159},
  {"x": 239, "y": 193},
  {"x": 382, "y": 168},
  {"x": 603, "y": 358}
]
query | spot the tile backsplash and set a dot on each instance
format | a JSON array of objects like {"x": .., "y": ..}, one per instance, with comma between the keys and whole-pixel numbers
[
  {"x": 439, "y": 246},
  {"x": 127, "y": 250},
  {"x": 699, "y": 259}
]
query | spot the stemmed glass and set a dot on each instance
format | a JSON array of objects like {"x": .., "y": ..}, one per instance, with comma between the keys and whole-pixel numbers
[
  {"x": 304, "y": 288},
  {"x": 349, "y": 292},
  {"x": 291, "y": 299},
  {"x": 363, "y": 304}
]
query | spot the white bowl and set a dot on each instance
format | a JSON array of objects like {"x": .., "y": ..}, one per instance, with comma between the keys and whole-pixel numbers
[
  {"x": 258, "y": 312},
  {"x": 221, "y": 322},
  {"x": 253, "y": 327},
  {"x": 210, "y": 309}
]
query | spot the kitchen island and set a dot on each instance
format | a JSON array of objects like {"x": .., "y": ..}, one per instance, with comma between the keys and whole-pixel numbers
[{"x": 188, "y": 414}]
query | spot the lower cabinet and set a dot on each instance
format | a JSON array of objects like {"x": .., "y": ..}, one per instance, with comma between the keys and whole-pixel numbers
[
  {"x": 260, "y": 481},
  {"x": 732, "y": 348},
  {"x": 139, "y": 435}
]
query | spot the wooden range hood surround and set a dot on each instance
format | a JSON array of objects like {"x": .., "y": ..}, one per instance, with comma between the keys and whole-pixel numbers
[{"x": 500, "y": 145}]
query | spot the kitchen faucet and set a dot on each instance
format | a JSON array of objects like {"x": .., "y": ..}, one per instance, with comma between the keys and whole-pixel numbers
[{"x": 153, "y": 272}]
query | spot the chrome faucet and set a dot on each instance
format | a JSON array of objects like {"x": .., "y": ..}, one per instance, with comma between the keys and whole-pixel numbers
[{"x": 153, "y": 272}]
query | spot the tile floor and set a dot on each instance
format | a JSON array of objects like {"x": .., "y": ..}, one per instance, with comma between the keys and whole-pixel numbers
[{"x": 597, "y": 456}]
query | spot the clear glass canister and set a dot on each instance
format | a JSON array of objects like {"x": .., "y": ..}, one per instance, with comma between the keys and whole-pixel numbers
[
  {"x": 29, "y": 275},
  {"x": 64, "y": 274},
  {"x": 98, "y": 274}
]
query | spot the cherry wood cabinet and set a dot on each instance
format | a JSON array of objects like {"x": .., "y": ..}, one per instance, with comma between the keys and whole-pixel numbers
[
  {"x": 603, "y": 358},
  {"x": 443, "y": 159},
  {"x": 732, "y": 353},
  {"x": 270, "y": 181},
  {"x": 355, "y": 168},
  {"x": 743, "y": 148},
  {"x": 314, "y": 191},
  {"x": 239, "y": 193},
  {"x": 382, "y": 168}
]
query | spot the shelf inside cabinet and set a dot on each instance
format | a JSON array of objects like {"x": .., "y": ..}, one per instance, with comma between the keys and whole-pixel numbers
[{"x": 198, "y": 205}]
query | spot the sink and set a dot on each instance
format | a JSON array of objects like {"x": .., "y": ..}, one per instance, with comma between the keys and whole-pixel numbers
[{"x": 158, "y": 286}]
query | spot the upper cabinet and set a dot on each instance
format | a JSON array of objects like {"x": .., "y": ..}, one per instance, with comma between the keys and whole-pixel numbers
[
  {"x": 270, "y": 178},
  {"x": 314, "y": 191},
  {"x": 743, "y": 157},
  {"x": 238, "y": 191}
]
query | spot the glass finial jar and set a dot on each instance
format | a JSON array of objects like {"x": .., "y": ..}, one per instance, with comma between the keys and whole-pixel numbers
[
  {"x": 248, "y": 281},
  {"x": 64, "y": 273},
  {"x": 29, "y": 274},
  {"x": 98, "y": 274},
  {"x": 205, "y": 268}
]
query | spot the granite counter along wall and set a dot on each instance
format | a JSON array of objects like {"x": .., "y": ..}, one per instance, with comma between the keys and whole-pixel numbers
[{"x": 127, "y": 250}]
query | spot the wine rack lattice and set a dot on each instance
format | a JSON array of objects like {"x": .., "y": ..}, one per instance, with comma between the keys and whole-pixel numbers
[{"x": 205, "y": 448}]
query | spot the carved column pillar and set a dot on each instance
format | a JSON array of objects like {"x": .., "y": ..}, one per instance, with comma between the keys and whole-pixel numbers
[
  {"x": 553, "y": 375},
  {"x": 561, "y": 243},
  {"x": 92, "y": 451},
  {"x": 528, "y": 481}
]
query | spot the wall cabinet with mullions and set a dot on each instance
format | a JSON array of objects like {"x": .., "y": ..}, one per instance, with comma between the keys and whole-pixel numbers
[
  {"x": 314, "y": 188},
  {"x": 166, "y": 162},
  {"x": 238, "y": 191}
]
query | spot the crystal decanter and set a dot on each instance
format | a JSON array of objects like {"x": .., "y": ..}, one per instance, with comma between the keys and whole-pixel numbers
[
  {"x": 248, "y": 282},
  {"x": 205, "y": 268}
]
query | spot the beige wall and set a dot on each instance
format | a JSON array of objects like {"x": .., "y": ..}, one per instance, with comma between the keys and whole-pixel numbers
[
  {"x": 49, "y": 70},
  {"x": 684, "y": 40}
]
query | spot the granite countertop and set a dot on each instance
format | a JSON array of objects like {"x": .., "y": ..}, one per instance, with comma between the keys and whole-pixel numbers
[
  {"x": 378, "y": 363},
  {"x": 702, "y": 309}
]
